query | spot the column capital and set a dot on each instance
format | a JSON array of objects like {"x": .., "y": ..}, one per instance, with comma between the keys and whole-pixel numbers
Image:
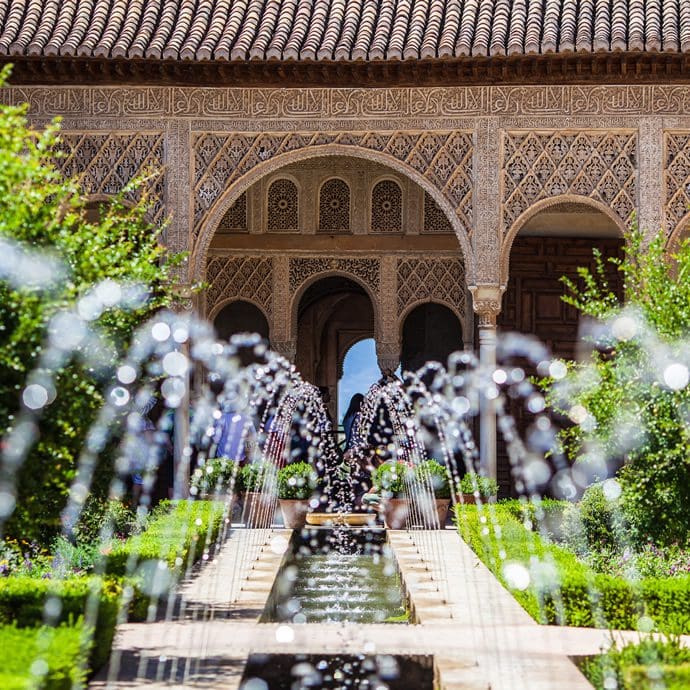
[
  {"x": 486, "y": 301},
  {"x": 388, "y": 356}
]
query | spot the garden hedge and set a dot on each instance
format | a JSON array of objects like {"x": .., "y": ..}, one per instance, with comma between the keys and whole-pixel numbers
[
  {"x": 23, "y": 600},
  {"x": 562, "y": 589},
  {"x": 672, "y": 677},
  {"x": 177, "y": 533},
  {"x": 63, "y": 651}
]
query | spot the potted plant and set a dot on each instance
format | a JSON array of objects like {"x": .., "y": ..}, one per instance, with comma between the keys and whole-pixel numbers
[
  {"x": 296, "y": 485},
  {"x": 392, "y": 481},
  {"x": 258, "y": 482},
  {"x": 217, "y": 477},
  {"x": 475, "y": 488},
  {"x": 432, "y": 474}
]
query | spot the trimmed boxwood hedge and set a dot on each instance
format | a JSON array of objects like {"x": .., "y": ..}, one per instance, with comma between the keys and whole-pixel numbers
[
  {"x": 562, "y": 589},
  {"x": 23, "y": 599},
  {"x": 176, "y": 532},
  {"x": 63, "y": 651},
  {"x": 664, "y": 675}
]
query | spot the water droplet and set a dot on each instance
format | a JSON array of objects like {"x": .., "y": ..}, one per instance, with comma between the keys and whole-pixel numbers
[
  {"x": 35, "y": 396},
  {"x": 175, "y": 364},
  {"x": 285, "y": 634},
  {"x": 624, "y": 328},
  {"x": 119, "y": 396},
  {"x": 516, "y": 576},
  {"x": 676, "y": 376},
  {"x": 612, "y": 489},
  {"x": 160, "y": 331},
  {"x": 557, "y": 369},
  {"x": 126, "y": 374}
]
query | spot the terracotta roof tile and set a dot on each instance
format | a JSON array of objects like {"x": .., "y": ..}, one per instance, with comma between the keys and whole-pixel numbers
[{"x": 345, "y": 30}]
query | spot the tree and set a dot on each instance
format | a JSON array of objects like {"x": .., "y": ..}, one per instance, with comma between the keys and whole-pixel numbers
[
  {"x": 40, "y": 210},
  {"x": 630, "y": 401}
]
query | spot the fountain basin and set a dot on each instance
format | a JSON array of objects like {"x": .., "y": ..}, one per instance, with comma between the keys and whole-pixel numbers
[{"x": 351, "y": 519}]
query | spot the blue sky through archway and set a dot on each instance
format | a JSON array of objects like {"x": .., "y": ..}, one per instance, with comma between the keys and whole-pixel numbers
[{"x": 360, "y": 370}]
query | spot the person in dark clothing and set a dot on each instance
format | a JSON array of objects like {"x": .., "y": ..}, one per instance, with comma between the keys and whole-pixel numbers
[{"x": 351, "y": 419}]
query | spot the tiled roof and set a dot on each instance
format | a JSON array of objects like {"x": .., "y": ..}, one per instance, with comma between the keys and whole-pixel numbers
[{"x": 341, "y": 30}]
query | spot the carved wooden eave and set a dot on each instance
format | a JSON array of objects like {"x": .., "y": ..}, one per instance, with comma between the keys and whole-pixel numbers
[{"x": 571, "y": 68}]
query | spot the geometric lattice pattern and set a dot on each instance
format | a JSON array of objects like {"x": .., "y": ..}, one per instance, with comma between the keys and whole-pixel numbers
[
  {"x": 677, "y": 178},
  {"x": 386, "y": 207},
  {"x": 283, "y": 206},
  {"x": 598, "y": 165},
  {"x": 105, "y": 163},
  {"x": 334, "y": 206},
  {"x": 443, "y": 158},
  {"x": 249, "y": 277},
  {"x": 235, "y": 218},
  {"x": 440, "y": 280},
  {"x": 367, "y": 270},
  {"x": 435, "y": 220}
]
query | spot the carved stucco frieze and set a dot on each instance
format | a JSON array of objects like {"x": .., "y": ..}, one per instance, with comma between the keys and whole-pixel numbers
[
  {"x": 676, "y": 178},
  {"x": 438, "y": 280},
  {"x": 245, "y": 277},
  {"x": 406, "y": 103},
  {"x": 444, "y": 159},
  {"x": 367, "y": 270},
  {"x": 105, "y": 162},
  {"x": 600, "y": 165}
]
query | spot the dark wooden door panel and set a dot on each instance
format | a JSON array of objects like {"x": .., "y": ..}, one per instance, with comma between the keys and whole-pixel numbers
[{"x": 533, "y": 302}]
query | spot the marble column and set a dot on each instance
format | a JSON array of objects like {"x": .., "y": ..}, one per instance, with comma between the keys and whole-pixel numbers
[{"x": 487, "y": 304}]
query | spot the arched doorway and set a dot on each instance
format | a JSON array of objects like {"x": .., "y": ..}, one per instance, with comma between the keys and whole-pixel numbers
[
  {"x": 430, "y": 332},
  {"x": 240, "y": 317},
  {"x": 553, "y": 243},
  {"x": 333, "y": 313}
]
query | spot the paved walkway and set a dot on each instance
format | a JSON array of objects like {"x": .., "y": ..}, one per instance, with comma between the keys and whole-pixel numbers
[{"x": 479, "y": 636}]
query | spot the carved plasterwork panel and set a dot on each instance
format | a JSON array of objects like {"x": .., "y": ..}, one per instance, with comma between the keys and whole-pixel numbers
[
  {"x": 435, "y": 220},
  {"x": 386, "y": 207},
  {"x": 105, "y": 162},
  {"x": 676, "y": 177},
  {"x": 235, "y": 218},
  {"x": 443, "y": 158},
  {"x": 367, "y": 270},
  {"x": 246, "y": 277},
  {"x": 283, "y": 206},
  {"x": 440, "y": 280},
  {"x": 334, "y": 206},
  {"x": 595, "y": 164}
]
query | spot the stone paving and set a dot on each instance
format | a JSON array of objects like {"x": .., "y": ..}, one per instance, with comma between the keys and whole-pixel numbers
[{"x": 479, "y": 636}]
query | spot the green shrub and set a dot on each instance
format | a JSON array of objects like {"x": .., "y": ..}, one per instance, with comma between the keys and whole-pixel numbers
[
  {"x": 393, "y": 478},
  {"x": 297, "y": 481},
  {"x": 216, "y": 475},
  {"x": 562, "y": 589},
  {"x": 626, "y": 408},
  {"x": 42, "y": 210},
  {"x": 177, "y": 533},
  {"x": 23, "y": 602},
  {"x": 478, "y": 486},
  {"x": 256, "y": 476},
  {"x": 645, "y": 665},
  {"x": 99, "y": 513},
  {"x": 432, "y": 473},
  {"x": 62, "y": 650}
]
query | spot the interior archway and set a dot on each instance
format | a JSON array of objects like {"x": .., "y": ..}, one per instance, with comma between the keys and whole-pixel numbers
[
  {"x": 333, "y": 314},
  {"x": 240, "y": 317},
  {"x": 430, "y": 332}
]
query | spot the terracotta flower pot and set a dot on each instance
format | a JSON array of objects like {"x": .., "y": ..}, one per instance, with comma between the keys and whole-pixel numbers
[
  {"x": 396, "y": 512},
  {"x": 258, "y": 509},
  {"x": 442, "y": 505},
  {"x": 294, "y": 512}
]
